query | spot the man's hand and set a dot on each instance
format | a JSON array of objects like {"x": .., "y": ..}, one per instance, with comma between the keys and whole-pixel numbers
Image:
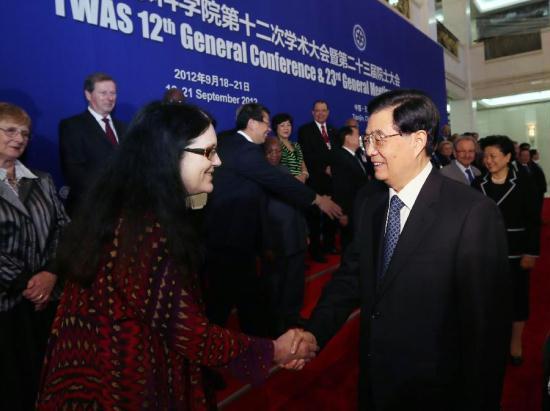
[
  {"x": 328, "y": 206},
  {"x": 344, "y": 220},
  {"x": 527, "y": 262},
  {"x": 39, "y": 288},
  {"x": 294, "y": 348},
  {"x": 328, "y": 171}
]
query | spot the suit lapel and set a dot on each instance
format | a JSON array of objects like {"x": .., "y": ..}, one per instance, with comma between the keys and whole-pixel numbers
[
  {"x": 94, "y": 126},
  {"x": 459, "y": 173},
  {"x": 417, "y": 227},
  {"x": 371, "y": 227},
  {"x": 511, "y": 182},
  {"x": 9, "y": 196}
]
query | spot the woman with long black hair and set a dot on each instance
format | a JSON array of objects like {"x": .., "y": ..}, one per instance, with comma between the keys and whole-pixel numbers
[{"x": 130, "y": 332}]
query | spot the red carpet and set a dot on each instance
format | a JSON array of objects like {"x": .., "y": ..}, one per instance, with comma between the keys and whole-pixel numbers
[
  {"x": 523, "y": 385},
  {"x": 329, "y": 382}
]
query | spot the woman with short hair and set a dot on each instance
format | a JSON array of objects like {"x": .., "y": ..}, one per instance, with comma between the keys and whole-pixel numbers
[
  {"x": 31, "y": 221},
  {"x": 516, "y": 198}
]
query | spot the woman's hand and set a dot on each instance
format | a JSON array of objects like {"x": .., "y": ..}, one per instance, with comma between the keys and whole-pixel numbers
[
  {"x": 39, "y": 288},
  {"x": 294, "y": 348},
  {"x": 527, "y": 262}
]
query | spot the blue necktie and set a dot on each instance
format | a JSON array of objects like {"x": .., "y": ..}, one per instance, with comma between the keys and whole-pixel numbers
[
  {"x": 392, "y": 231},
  {"x": 470, "y": 175}
]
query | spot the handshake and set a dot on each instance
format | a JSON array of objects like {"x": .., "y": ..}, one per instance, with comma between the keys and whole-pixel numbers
[{"x": 294, "y": 349}]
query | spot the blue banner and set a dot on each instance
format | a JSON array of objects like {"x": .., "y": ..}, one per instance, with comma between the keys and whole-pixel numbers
[{"x": 283, "y": 54}]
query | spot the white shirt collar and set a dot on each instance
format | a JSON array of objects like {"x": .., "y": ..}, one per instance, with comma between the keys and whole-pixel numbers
[
  {"x": 461, "y": 167},
  {"x": 348, "y": 150},
  {"x": 319, "y": 125},
  {"x": 409, "y": 193},
  {"x": 242, "y": 133},
  {"x": 99, "y": 117},
  {"x": 20, "y": 172}
]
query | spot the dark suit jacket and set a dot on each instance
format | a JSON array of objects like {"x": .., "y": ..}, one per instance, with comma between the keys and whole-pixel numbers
[
  {"x": 317, "y": 155},
  {"x": 84, "y": 150},
  {"x": 286, "y": 229},
  {"x": 435, "y": 331},
  {"x": 539, "y": 177},
  {"x": 518, "y": 205},
  {"x": 236, "y": 207},
  {"x": 348, "y": 177}
]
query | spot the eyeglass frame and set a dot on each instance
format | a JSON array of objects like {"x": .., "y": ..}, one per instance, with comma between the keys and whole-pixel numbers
[
  {"x": 11, "y": 132},
  {"x": 369, "y": 137},
  {"x": 208, "y": 152}
]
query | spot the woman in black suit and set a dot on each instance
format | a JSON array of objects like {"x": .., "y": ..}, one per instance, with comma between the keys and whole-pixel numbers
[
  {"x": 31, "y": 220},
  {"x": 516, "y": 198}
]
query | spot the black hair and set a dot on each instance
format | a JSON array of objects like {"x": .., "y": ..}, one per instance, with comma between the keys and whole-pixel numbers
[
  {"x": 413, "y": 110},
  {"x": 250, "y": 111},
  {"x": 343, "y": 132},
  {"x": 280, "y": 118},
  {"x": 503, "y": 143},
  {"x": 141, "y": 180}
]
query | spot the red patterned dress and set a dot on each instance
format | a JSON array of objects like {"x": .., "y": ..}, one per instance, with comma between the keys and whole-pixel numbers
[{"x": 138, "y": 339}]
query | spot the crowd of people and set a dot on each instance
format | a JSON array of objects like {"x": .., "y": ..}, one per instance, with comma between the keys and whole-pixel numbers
[{"x": 125, "y": 305}]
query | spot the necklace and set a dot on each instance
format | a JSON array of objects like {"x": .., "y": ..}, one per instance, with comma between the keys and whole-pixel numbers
[
  {"x": 13, "y": 182},
  {"x": 498, "y": 180}
]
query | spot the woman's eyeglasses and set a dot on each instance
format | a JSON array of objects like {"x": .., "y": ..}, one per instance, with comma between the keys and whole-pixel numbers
[
  {"x": 208, "y": 152},
  {"x": 12, "y": 132},
  {"x": 377, "y": 138}
]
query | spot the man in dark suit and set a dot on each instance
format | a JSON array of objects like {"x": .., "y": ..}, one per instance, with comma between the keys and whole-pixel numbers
[
  {"x": 87, "y": 140},
  {"x": 533, "y": 171},
  {"x": 234, "y": 215},
  {"x": 435, "y": 299},
  {"x": 316, "y": 139},
  {"x": 349, "y": 175},
  {"x": 461, "y": 168},
  {"x": 285, "y": 246}
]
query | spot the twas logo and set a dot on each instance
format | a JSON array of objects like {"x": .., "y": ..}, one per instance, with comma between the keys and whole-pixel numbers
[{"x": 359, "y": 37}]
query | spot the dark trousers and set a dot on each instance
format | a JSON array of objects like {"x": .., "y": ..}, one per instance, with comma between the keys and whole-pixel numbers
[
  {"x": 285, "y": 282},
  {"x": 321, "y": 227},
  {"x": 346, "y": 236},
  {"x": 24, "y": 333},
  {"x": 546, "y": 375},
  {"x": 233, "y": 281}
]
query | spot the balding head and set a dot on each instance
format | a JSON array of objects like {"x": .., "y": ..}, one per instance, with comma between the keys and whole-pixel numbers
[{"x": 272, "y": 149}]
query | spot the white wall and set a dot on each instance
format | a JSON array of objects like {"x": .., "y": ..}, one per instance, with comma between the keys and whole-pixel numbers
[
  {"x": 512, "y": 121},
  {"x": 504, "y": 76}
]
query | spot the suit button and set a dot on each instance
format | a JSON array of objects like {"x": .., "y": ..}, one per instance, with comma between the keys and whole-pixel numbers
[{"x": 375, "y": 315}]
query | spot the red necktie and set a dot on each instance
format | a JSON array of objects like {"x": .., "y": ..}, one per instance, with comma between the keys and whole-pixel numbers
[
  {"x": 324, "y": 133},
  {"x": 109, "y": 131}
]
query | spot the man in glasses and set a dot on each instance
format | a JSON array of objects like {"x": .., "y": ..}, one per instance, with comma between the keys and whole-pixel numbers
[
  {"x": 87, "y": 140},
  {"x": 234, "y": 214},
  {"x": 462, "y": 169},
  {"x": 435, "y": 299}
]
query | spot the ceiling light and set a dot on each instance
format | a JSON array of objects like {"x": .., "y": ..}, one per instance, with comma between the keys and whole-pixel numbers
[
  {"x": 489, "y": 5},
  {"x": 516, "y": 99}
]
